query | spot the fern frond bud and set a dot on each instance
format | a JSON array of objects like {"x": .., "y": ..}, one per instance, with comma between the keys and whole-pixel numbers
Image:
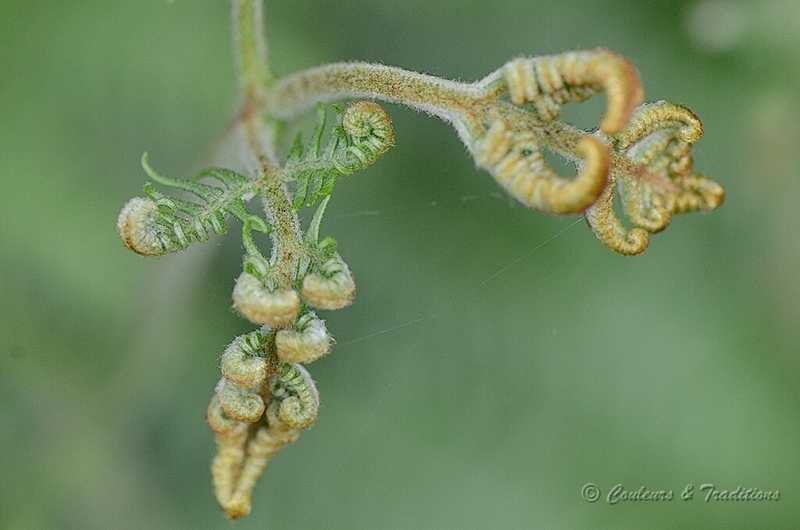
[
  {"x": 137, "y": 226},
  {"x": 299, "y": 399},
  {"x": 225, "y": 428},
  {"x": 371, "y": 126},
  {"x": 306, "y": 343},
  {"x": 331, "y": 288},
  {"x": 260, "y": 305},
  {"x": 552, "y": 81},
  {"x": 609, "y": 229},
  {"x": 240, "y": 404},
  {"x": 243, "y": 363}
]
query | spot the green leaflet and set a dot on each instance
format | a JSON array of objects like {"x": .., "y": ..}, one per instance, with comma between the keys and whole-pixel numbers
[
  {"x": 362, "y": 134},
  {"x": 182, "y": 221}
]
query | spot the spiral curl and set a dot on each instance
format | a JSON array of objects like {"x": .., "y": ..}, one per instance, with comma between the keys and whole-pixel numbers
[
  {"x": 551, "y": 81},
  {"x": 297, "y": 397},
  {"x": 658, "y": 140},
  {"x": 363, "y": 133},
  {"x": 306, "y": 343},
  {"x": 243, "y": 362},
  {"x": 240, "y": 404},
  {"x": 332, "y": 287},
  {"x": 139, "y": 228},
  {"x": 370, "y": 129},
  {"x": 516, "y": 162},
  {"x": 263, "y": 306},
  {"x": 609, "y": 229}
]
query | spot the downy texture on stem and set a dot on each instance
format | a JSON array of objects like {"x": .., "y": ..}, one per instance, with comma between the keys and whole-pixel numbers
[{"x": 507, "y": 120}]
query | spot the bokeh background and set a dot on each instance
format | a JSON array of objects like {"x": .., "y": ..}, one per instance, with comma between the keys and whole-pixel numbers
[{"x": 496, "y": 360}]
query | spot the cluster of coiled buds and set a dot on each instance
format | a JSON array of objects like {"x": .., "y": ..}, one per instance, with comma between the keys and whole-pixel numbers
[
  {"x": 658, "y": 141},
  {"x": 266, "y": 397},
  {"x": 642, "y": 151},
  {"x": 510, "y": 118},
  {"x": 330, "y": 286},
  {"x": 263, "y": 401}
]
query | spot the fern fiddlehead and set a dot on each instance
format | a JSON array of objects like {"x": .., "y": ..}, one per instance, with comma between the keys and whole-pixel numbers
[
  {"x": 266, "y": 397},
  {"x": 362, "y": 134},
  {"x": 658, "y": 140},
  {"x": 158, "y": 224}
]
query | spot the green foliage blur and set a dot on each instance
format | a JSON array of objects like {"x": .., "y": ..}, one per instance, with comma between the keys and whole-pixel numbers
[{"x": 496, "y": 359}]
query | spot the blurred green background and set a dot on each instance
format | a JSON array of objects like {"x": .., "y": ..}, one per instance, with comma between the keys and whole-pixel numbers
[{"x": 496, "y": 359}]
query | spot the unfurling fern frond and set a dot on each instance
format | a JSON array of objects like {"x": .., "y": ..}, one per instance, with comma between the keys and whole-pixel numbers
[
  {"x": 296, "y": 396},
  {"x": 159, "y": 223},
  {"x": 361, "y": 135}
]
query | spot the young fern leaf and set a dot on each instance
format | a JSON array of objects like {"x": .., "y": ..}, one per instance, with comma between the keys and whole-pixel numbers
[
  {"x": 160, "y": 223},
  {"x": 255, "y": 262},
  {"x": 362, "y": 134},
  {"x": 298, "y": 399},
  {"x": 326, "y": 247}
]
